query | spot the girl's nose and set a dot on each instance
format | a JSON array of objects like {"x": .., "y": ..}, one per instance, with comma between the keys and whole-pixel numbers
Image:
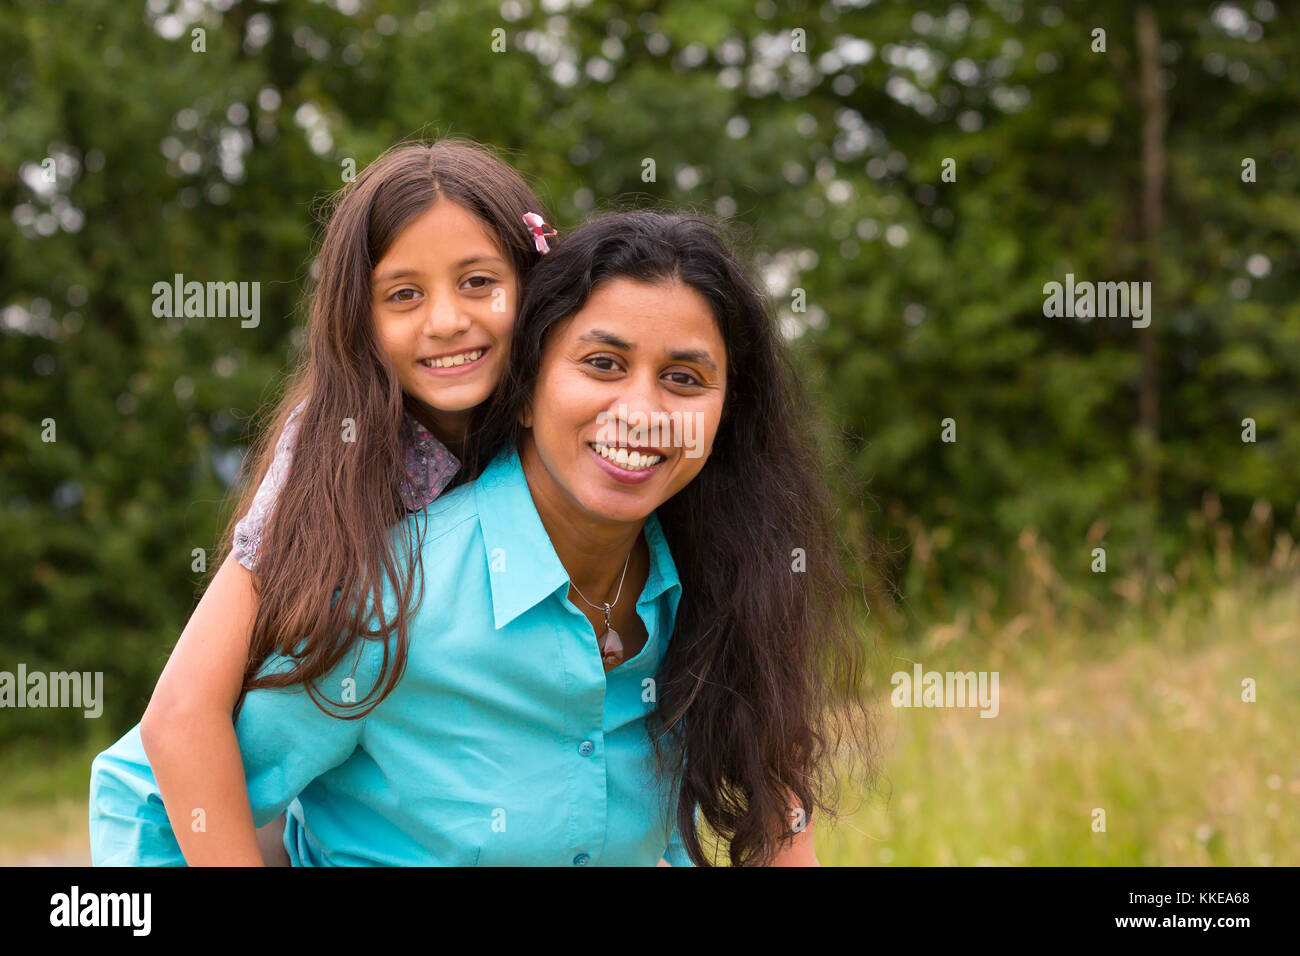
[{"x": 445, "y": 318}]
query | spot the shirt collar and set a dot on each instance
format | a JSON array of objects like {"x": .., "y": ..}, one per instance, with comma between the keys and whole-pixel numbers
[
  {"x": 523, "y": 567},
  {"x": 429, "y": 464}
]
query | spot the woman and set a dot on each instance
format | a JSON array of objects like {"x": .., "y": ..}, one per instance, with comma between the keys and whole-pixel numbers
[
  {"x": 590, "y": 604},
  {"x": 762, "y": 681}
]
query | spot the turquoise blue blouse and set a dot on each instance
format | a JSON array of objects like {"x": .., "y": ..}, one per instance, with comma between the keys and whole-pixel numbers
[{"x": 504, "y": 743}]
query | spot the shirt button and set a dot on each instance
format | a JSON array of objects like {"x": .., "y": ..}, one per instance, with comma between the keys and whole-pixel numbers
[
  {"x": 581, "y": 859},
  {"x": 586, "y": 748}
]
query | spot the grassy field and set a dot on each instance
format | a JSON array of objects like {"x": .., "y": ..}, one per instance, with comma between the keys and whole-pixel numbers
[
  {"x": 1146, "y": 723},
  {"x": 44, "y": 813},
  {"x": 1144, "y": 720}
]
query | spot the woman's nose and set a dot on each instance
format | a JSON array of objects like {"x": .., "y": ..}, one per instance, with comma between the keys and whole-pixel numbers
[
  {"x": 640, "y": 396},
  {"x": 639, "y": 392}
]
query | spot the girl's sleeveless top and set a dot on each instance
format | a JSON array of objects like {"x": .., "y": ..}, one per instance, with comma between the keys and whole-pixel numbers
[{"x": 430, "y": 467}]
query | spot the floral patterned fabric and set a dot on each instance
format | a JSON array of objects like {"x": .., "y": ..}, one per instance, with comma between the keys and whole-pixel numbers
[{"x": 430, "y": 466}]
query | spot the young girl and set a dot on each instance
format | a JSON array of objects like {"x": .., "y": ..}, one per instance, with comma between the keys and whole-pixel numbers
[{"x": 418, "y": 275}]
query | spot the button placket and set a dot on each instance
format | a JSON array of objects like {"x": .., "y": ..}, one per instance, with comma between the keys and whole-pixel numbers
[{"x": 586, "y": 685}]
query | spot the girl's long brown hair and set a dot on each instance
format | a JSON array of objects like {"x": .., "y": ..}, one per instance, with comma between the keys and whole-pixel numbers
[{"x": 326, "y": 549}]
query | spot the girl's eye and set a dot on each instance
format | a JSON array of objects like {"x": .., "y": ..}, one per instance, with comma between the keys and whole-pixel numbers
[
  {"x": 398, "y": 296},
  {"x": 485, "y": 280}
]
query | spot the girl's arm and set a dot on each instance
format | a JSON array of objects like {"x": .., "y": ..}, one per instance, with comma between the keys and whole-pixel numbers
[
  {"x": 188, "y": 729},
  {"x": 285, "y": 741}
]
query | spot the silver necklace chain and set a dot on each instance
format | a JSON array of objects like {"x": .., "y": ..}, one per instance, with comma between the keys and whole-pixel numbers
[{"x": 608, "y": 607}]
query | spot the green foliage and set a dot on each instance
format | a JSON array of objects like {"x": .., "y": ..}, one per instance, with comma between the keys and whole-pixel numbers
[{"x": 924, "y": 297}]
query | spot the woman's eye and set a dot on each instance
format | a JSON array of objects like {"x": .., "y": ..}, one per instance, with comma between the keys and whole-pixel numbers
[
  {"x": 690, "y": 379},
  {"x": 400, "y": 295},
  {"x": 603, "y": 358}
]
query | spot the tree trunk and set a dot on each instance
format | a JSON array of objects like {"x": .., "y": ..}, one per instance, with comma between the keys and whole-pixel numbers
[{"x": 1153, "y": 181}]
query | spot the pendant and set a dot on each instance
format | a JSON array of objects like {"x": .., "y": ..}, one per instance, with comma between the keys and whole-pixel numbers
[{"x": 611, "y": 649}]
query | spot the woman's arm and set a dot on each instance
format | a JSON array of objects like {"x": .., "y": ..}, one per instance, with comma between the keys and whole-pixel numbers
[
  {"x": 800, "y": 852},
  {"x": 270, "y": 840},
  {"x": 188, "y": 729}
]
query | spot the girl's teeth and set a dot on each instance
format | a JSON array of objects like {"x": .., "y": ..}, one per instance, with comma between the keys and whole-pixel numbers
[
  {"x": 455, "y": 360},
  {"x": 632, "y": 461}
]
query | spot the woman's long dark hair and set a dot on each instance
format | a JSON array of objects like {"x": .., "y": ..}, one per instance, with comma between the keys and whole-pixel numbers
[{"x": 763, "y": 677}]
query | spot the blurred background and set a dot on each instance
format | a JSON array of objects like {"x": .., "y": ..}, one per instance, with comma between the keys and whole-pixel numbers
[{"x": 907, "y": 177}]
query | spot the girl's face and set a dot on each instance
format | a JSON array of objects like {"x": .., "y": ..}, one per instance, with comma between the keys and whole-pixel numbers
[
  {"x": 443, "y": 298},
  {"x": 640, "y": 368}
]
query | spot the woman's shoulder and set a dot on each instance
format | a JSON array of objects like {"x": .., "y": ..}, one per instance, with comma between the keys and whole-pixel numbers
[
  {"x": 448, "y": 519},
  {"x": 447, "y": 536}
]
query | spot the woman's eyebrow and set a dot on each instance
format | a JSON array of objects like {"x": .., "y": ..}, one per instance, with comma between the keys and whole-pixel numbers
[
  {"x": 606, "y": 338},
  {"x": 693, "y": 355},
  {"x": 680, "y": 355}
]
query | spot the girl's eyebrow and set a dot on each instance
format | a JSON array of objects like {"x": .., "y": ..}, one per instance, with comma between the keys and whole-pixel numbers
[
  {"x": 463, "y": 263},
  {"x": 680, "y": 355}
]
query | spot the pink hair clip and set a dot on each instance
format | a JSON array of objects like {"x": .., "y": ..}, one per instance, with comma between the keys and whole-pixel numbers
[{"x": 540, "y": 230}]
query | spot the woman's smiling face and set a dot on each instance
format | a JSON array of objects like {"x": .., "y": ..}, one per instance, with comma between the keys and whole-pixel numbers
[
  {"x": 443, "y": 298},
  {"x": 627, "y": 400}
]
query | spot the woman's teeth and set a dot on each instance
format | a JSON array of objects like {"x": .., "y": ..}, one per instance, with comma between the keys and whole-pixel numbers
[
  {"x": 454, "y": 360},
  {"x": 631, "y": 460}
]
